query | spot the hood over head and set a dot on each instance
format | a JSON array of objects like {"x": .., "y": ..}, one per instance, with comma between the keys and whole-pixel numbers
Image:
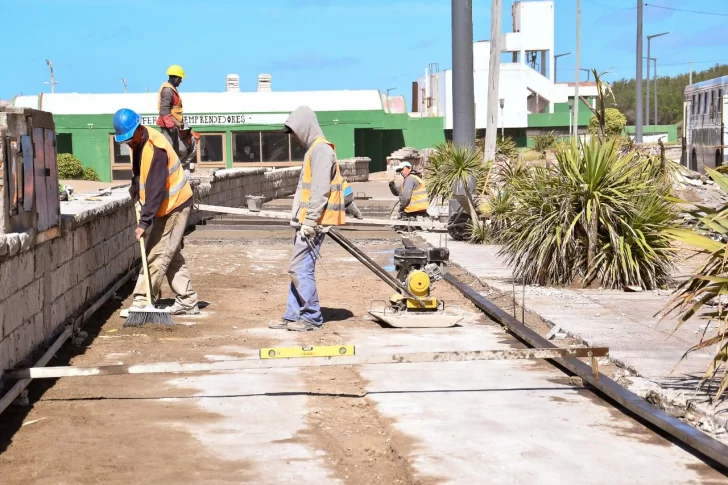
[{"x": 304, "y": 124}]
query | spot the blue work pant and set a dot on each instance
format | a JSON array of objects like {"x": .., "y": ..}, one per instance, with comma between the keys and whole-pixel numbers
[{"x": 303, "y": 300}]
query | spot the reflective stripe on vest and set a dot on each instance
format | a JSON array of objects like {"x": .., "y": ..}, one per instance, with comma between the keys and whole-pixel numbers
[
  {"x": 177, "y": 108},
  {"x": 178, "y": 190},
  {"x": 333, "y": 214},
  {"x": 419, "y": 201}
]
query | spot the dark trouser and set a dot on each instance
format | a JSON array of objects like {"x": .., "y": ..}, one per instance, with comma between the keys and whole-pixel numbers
[
  {"x": 172, "y": 136},
  {"x": 412, "y": 215}
]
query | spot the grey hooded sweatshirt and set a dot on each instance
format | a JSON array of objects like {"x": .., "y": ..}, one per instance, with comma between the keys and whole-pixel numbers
[{"x": 304, "y": 124}]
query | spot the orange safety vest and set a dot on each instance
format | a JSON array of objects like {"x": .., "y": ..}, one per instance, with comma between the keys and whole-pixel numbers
[
  {"x": 418, "y": 201},
  {"x": 178, "y": 187},
  {"x": 177, "y": 108},
  {"x": 333, "y": 214}
]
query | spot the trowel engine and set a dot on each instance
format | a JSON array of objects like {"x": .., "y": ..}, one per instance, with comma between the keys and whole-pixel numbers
[{"x": 418, "y": 269}]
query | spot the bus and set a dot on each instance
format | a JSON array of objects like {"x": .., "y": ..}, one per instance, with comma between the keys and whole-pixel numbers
[{"x": 704, "y": 133}]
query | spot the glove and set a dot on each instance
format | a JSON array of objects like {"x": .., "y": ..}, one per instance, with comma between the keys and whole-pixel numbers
[
  {"x": 308, "y": 232},
  {"x": 390, "y": 176}
]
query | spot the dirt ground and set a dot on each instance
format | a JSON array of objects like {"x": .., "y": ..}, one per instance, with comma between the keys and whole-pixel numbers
[{"x": 124, "y": 429}]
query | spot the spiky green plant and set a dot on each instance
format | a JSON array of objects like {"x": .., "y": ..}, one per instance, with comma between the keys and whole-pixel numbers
[
  {"x": 595, "y": 215},
  {"x": 506, "y": 147},
  {"x": 544, "y": 142},
  {"x": 451, "y": 163},
  {"x": 708, "y": 283}
]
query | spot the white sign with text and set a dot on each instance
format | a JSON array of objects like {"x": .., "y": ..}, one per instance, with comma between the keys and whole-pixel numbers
[{"x": 225, "y": 119}]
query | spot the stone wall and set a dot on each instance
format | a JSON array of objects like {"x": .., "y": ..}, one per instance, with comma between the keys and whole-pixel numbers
[
  {"x": 355, "y": 169},
  {"x": 44, "y": 287}
]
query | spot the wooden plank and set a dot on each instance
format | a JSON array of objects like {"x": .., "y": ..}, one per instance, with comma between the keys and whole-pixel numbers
[
  {"x": 251, "y": 364},
  {"x": 12, "y": 164},
  {"x": 28, "y": 178},
  {"x": 41, "y": 198},
  {"x": 427, "y": 225},
  {"x": 53, "y": 209}
]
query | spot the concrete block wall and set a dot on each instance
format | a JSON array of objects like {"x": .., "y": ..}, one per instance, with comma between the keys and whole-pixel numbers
[
  {"x": 46, "y": 286},
  {"x": 355, "y": 169}
]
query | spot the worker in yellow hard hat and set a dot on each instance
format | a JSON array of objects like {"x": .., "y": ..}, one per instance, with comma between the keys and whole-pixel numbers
[{"x": 169, "y": 104}]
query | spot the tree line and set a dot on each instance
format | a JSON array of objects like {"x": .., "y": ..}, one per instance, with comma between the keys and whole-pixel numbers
[{"x": 670, "y": 92}]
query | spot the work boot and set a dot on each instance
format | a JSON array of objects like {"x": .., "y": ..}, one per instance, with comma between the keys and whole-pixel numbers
[
  {"x": 136, "y": 305},
  {"x": 178, "y": 309},
  {"x": 303, "y": 326},
  {"x": 281, "y": 324}
]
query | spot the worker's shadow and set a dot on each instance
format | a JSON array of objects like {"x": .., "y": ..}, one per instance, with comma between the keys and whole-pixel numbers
[{"x": 336, "y": 314}]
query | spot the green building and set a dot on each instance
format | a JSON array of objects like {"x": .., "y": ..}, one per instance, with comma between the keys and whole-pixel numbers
[{"x": 238, "y": 129}]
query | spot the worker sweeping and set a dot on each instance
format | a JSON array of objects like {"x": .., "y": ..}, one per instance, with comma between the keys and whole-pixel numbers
[
  {"x": 169, "y": 105},
  {"x": 317, "y": 205},
  {"x": 412, "y": 194},
  {"x": 161, "y": 186}
]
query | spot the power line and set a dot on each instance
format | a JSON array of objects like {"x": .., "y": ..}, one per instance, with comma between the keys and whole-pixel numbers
[
  {"x": 687, "y": 11},
  {"x": 609, "y": 7}
]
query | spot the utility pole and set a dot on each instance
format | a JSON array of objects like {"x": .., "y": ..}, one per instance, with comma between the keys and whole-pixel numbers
[
  {"x": 123, "y": 81},
  {"x": 638, "y": 76},
  {"x": 578, "y": 69},
  {"x": 647, "y": 103},
  {"x": 691, "y": 73},
  {"x": 463, "y": 89},
  {"x": 491, "y": 126},
  {"x": 654, "y": 85},
  {"x": 53, "y": 81}
]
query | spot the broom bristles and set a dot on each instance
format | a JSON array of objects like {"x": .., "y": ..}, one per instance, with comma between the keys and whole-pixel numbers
[{"x": 148, "y": 315}]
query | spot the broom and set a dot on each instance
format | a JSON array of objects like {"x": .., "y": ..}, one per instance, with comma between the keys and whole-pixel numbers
[{"x": 148, "y": 314}]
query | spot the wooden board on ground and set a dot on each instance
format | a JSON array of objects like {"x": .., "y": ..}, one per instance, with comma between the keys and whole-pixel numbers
[
  {"x": 425, "y": 225},
  {"x": 417, "y": 320}
]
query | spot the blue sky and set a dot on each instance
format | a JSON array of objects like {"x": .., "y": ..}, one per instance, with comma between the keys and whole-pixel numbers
[{"x": 312, "y": 44}]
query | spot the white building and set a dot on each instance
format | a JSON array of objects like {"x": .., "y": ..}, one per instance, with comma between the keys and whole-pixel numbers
[{"x": 527, "y": 77}]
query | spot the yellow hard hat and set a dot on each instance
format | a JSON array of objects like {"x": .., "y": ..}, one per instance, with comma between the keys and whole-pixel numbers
[{"x": 176, "y": 71}]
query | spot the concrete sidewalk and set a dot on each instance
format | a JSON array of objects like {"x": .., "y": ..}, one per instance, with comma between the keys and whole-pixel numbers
[{"x": 639, "y": 341}]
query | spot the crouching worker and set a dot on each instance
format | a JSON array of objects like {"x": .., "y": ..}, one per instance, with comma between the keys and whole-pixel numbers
[
  {"x": 349, "y": 203},
  {"x": 412, "y": 194},
  {"x": 161, "y": 186},
  {"x": 317, "y": 205}
]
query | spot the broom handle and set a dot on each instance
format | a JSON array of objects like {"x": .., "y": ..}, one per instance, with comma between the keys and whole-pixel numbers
[{"x": 147, "y": 278}]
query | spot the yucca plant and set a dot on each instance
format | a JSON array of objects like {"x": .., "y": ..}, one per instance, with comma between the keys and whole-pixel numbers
[
  {"x": 496, "y": 210},
  {"x": 709, "y": 282},
  {"x": 451, "y": 163},
  {"x": 595, "y": 215},
  {"x": 544, "y": 142}
]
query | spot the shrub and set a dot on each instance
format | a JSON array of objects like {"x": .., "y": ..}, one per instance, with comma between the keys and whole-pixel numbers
[
  {"x": 450, "y": 163},
  {"x": 613, "y": 126},
  {"x": 506, "y": 147},
  {"x": 541, "y": 143},
  {"x": 708, "y": 284},
  {"x": 69, "y": 167},
  {"x": 594, "y": 215},
  {"x": 90, "y": 174}
]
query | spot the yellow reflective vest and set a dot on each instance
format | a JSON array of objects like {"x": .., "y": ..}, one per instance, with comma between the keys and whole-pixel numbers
[
  {"x": 176, "y": 108},
  {"x": 178, "y": 190},
  {"x": 333, "y": 214},
  {"x": 418, "y": 201}
]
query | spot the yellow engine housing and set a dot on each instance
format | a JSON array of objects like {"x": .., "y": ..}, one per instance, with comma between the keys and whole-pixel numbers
[{"x": 418, "y": 283}]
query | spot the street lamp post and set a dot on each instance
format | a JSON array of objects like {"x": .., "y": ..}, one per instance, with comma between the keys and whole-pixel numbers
[
  {"x": 388, "y": 90},
  {"x": 53, "y": 79},
  {"x": 654, "y": 84},
  {"x": 638, "y": 77},
  {"x": 578, "y": 71},
  {"x": 556, "y": 64},
  {"x": 588, "y": 73},
  {"x": 571, "y": 114},
  {"x": 647, "y": 102}
]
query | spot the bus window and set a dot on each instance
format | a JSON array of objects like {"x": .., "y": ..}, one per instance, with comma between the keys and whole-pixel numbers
[
  {"x": 720, "y": 101},
  {"x": 692, "y": 106}
]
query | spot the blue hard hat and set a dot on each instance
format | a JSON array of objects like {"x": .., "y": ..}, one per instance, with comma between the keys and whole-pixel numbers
[{"x": 126, "y": 122}]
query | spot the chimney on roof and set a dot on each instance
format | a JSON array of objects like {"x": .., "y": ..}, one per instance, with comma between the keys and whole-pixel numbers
[
  {"x": 264, "y": 83},
  {"x": 232, "y": 83}
]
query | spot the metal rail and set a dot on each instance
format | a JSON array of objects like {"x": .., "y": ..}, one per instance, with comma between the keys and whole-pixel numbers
[
  {"x": 682, "y": 432},
  {"x": 254, "y": 364}
]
